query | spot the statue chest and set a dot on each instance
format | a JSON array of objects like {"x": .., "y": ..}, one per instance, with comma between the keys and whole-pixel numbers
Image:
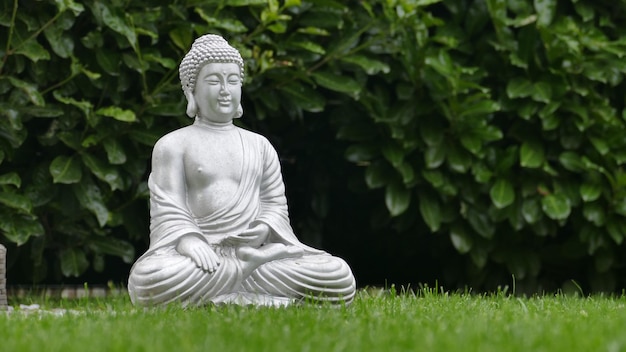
[{"x": 214, "y": 159}]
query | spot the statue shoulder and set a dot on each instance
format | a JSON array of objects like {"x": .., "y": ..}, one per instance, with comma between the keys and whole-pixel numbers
[
  {"x": 259, "y": 139},
  {"x": 173, "y": 143}
]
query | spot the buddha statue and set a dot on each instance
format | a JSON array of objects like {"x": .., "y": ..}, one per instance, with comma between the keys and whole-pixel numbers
[{"x": 219, "y": 226}]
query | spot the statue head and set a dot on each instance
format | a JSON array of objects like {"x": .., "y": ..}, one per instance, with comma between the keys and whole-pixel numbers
[{"x": 209, "y": 48}]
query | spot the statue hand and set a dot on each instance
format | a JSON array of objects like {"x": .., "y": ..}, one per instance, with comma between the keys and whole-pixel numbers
[
  {"x": 253, "y": 237},
  {"x": 199, "y": 251}
]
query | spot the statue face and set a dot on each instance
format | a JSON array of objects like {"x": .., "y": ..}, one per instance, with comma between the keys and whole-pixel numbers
[{"x": 218, "y": 92}]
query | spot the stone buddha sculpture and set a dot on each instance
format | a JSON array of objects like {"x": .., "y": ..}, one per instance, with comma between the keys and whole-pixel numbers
[{"x": 219, "y": 227}]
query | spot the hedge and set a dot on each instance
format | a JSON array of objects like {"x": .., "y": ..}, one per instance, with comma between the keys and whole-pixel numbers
[{"x": 491, "y": 130}]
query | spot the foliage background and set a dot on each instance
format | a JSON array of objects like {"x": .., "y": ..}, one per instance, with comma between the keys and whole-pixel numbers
[{"x": 473, "y": 142}]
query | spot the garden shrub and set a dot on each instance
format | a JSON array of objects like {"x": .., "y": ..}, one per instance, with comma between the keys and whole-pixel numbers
[{"x": 491, "y": 129}]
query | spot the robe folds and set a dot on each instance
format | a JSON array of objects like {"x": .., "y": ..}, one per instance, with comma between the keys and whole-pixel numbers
[{"x": 162, "y": 275}]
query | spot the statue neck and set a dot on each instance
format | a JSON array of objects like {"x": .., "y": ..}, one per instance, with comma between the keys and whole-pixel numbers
[{"x": 212, "y": 125}]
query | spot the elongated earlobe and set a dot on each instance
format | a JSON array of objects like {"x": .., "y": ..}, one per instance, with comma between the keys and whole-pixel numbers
[
  {"x": 239, "y": 112},
  {"x": 192, "y": 109}
]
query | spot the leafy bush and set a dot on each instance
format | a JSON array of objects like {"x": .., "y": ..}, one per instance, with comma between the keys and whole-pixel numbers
[
  {"x": 501, "y": 123},
  {"x": 489, "y": 128}
]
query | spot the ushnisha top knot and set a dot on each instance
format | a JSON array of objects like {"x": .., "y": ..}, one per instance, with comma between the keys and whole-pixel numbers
[{"x": 209, "y": 48}]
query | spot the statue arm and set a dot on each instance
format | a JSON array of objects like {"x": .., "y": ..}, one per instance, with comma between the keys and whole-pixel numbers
[
  {"x": 168, "y": 172},
  {"x": 168, "y": 168},
  {"x": 274, "y": 211}
]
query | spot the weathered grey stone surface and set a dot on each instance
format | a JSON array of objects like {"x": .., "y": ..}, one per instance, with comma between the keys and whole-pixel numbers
[{"x": 3, "y": 281}]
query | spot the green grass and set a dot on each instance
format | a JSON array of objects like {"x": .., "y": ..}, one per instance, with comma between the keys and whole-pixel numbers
[{"x": 428, "y": 321}]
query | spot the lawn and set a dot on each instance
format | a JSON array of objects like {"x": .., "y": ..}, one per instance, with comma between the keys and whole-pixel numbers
[{"x": 376, "y": 321}]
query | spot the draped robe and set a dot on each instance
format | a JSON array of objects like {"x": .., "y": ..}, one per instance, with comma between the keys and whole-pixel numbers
[{"x": 162, "y": 275}]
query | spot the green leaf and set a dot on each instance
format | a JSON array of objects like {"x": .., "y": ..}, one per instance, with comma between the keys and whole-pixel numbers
[
  {"x": 357, "y": 153},
  {"x": 16, "y": 201},
  {"x": 29, "y": 89},
  {"x": 163, "y": 61},
  {"x": 435, "y": 156},
  {"x": 182, "y": 37},
  {"x": 619, "y": 205},
  {"x": 601, "y": 145},
  {"x": 531, "y": 210},
  {"x": 66, "y": 170},
  {"x": 546, "y": 10},
  {"x": 38, "y": 111},
  {"x": 480, "y": 108},
  {"x": 590, "y": 191},
  {"x": 313, "y": 31},
  {"x": 291, "y": 3},
  {"x": 434, "y": 177},
  {"x": 166, "y": 109},
  {"x": 71, "y": 139},
  {"x": 115, "y": 151},
  {"x": 502, "y": 193},
  {"x": 531, "y": 155},
  {"x": 90, "y": 197},
  {"x": 407, "y": 173},
  {"x": 556, "y": 206},
  {"x": 542, "y": 92},
  {"x": 377, "y": 174},
  {"x": 397, "y": 198},
  {"x": 472, "y": 143},
  {"x": 230, "y": 24},
  {"x": 116, "y": 23},
  {"x": 482, "y": 173},
  {"x": 103, "y": 171},
  {"x": 370, "y": 66},
  {"x": 113, "y": 246},
  {"x": 83, "y": 105},
  {"x": 73, "y": 262},
  {"x": 109, "y": 61},
  {"x": 432, "y": 131},
  {"x": 616, "y": 229},
  {"x": 246, "y": 2},
  {"x": 422, "y": 3},
  {"x": 459, "y": 160},
  {"x": 117, "y": 113},
  {"x": 460, "y": 240},
  {"x": 33, "y": 50},
  {"x": 19, "y": 228},
  {"x": 61, "y": 43},
  {"x": 393, "y": 153},
  {"x": 585, "y": 10},
  {"x": 571, "y": 161},
  {"x": 481, "y": 223},
  {"x": 63, "y": 5},
  {"x": 519, "y": 88},
  {"x": 11, "y": 178},
  {"x": 278, "y": 27},
  {"x": 442, "y": 63},
  {"x": 342, "y": 84},
  {"x": 594, "y": 213},
  {"x": 430, "y": 208},
  {"x": 309, "y": 46},
  {"x": 304, "y": 97},
  {"x": 145, "y": 137}
]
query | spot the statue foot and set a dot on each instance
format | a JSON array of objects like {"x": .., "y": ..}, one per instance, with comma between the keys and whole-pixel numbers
[
  {"x": 269, "y": 252},
  {"x": 252, "y": 257}
]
